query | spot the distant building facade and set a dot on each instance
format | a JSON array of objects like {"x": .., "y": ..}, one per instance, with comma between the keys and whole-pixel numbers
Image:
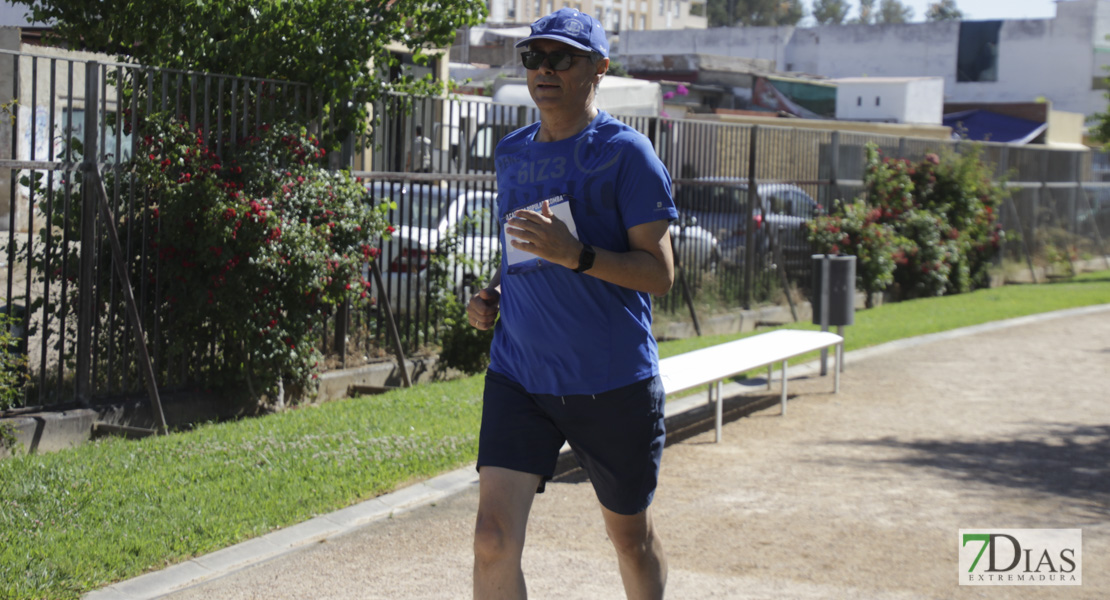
[{"x": 1061, "y": 60}]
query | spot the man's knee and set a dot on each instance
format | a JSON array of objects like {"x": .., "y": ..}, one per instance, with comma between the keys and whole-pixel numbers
[
  {"x": 494, "y": 541},
  {"x": 632, "y": 541}
]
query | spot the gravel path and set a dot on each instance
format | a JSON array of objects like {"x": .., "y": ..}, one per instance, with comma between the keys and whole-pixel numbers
[{"x": 856, "y": 495}]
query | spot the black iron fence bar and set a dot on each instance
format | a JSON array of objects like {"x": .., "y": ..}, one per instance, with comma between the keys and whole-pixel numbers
[
  {"x": 86, "y": 283},
  {"x": 12, "y": 194}
]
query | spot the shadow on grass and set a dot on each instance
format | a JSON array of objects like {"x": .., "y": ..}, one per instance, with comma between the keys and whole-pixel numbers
[{"x": 1064, "y": 460}]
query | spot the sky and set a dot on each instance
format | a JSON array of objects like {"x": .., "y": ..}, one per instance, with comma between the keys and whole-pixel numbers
[{"x": 986, "y": 9}]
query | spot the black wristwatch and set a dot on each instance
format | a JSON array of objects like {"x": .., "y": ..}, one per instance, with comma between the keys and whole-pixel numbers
[{"x": 586, "y": 258}]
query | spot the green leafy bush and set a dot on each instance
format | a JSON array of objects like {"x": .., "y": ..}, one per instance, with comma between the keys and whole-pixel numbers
[
  {"x": 929, "y": 249},
  {"x": 13, "y": 367},
  {"x": 930, "y": 227},
  {"x": 857, "y": 231},
  {"x": 244, "y": 255},
  {"x": 462, "y": 346},
  {"x": 961, "y": 188}
]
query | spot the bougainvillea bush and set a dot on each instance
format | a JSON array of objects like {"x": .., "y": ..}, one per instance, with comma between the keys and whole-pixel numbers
[
  {"x": 961, "y": 189},
  {"x": 857, "y": 230},
  {"x": 930, "y": 227},
  {"x": 244, "y": 255}
]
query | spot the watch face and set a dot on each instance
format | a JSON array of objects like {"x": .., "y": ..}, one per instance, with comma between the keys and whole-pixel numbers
[{"x": 586, "y": 258}]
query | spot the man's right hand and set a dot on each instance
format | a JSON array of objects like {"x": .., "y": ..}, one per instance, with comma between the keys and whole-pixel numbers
[{"x": 483, "y": 308}]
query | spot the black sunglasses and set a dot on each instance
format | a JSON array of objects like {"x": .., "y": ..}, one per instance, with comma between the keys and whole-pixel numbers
[{"x": 559, "y": 60}]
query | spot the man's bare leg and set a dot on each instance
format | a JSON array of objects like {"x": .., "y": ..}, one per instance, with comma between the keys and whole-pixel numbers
[
  {"x": 504, "y": 501},
  {"x": 643, "y": 565}
]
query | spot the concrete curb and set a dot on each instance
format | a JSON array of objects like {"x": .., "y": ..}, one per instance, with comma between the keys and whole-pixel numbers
[{"x": 258, "y": 550}]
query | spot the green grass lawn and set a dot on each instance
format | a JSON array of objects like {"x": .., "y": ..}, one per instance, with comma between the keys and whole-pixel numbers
[{"x": 79, "y": 519}]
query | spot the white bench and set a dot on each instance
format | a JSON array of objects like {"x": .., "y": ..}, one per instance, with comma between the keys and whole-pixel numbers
[{"x": 715, "y": 363}]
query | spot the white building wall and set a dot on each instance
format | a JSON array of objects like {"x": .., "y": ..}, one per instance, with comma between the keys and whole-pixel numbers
[
  {"x": 860, "y": 100},
  {"x": 925, "y": 101},
  {"x": 911, "y": 50}
]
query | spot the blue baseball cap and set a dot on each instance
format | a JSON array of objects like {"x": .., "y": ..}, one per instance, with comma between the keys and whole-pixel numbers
[{"x": 570, "y": 27}]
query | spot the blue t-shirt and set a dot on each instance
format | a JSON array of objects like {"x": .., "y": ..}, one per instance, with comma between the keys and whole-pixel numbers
[{"x": 562, "y": 332}]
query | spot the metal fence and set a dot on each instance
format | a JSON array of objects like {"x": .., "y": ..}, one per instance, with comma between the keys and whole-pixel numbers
[
  {"x": 745, "y": 193},
  {"x": 795, "y": 173},
  {"x": 70, "y": 126}
]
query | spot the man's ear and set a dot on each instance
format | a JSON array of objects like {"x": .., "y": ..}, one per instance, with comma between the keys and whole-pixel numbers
[{"x": 602, "y": 66}]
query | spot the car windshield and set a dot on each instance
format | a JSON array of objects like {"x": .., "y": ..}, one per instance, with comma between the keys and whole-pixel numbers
[
  {"x": 417, "y": 205},
  {"x": 475, "y": 213},
  {"x": 725, "y": 199}
]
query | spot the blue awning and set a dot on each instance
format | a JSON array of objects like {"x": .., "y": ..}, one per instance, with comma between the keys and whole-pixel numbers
[{"x": 986, "y": 126}]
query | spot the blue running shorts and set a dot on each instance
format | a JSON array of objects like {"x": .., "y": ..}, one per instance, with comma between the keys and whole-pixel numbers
[{"x": 617, "y": 436}]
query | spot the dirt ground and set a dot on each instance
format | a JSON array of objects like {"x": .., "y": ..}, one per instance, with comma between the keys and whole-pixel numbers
[{"x": 855, "y": 495}]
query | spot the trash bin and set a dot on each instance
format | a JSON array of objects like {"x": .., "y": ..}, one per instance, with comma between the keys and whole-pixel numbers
[{"x": 841, "y": 289}]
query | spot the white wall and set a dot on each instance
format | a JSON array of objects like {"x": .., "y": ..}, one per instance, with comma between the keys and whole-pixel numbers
[
  {"x": 856, "y": 101},
  {"x": 925, "y": 101}
]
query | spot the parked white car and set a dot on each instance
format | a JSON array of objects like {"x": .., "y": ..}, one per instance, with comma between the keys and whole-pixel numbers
[{"x": 421, "y": 226}]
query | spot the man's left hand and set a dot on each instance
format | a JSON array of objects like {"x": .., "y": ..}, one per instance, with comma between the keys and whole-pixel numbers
[{"x": 543, "y": 234}]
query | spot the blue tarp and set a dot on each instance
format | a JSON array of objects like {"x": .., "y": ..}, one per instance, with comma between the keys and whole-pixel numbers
[{"x": 984, "y": 125}]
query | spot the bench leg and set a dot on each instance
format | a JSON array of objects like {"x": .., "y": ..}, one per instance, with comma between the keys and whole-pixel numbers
[
  {"x": 720, "y": 410},
  {"x": 784, "y": 388},
  {"x": 770, "y": 374},
  {"x": 839, "y": 367}
]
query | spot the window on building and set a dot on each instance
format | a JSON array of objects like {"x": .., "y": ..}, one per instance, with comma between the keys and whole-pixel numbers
[
  {"x": 539, "y": 8},
  {"x": 643, "y": 22},
  {"x": 977, "y": 57},
  {"x": 662, "y": 7}
]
